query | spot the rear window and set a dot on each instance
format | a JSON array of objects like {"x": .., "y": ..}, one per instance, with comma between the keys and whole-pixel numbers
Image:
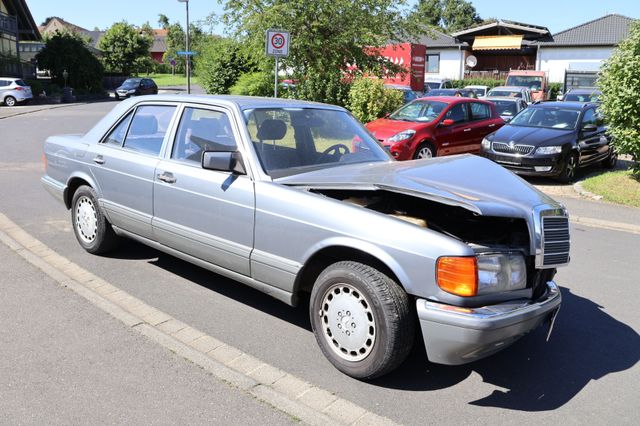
[{"x": 21, "y": 83}]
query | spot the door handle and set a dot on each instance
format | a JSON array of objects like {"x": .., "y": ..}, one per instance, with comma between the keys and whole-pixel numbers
[
  {"x": 98, "y": 159},
  {"x": 167, "y": 177},
  {"x": 467, "y": 130}
]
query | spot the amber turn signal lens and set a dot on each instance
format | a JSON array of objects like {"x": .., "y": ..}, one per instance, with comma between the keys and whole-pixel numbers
[{"x": 458, "y": 275}]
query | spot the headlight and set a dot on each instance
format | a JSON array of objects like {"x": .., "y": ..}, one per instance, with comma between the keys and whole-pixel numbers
[
  {"x": 549, "y": 150},
  {"x": 501, "y": 272},
  {"x": 486, "y": 144},
  {"x": 481, "y": 274},
  {"x": 402, "y": 136}
]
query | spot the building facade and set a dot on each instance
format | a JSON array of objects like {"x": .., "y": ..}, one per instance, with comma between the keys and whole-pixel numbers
[{"x": 16, "y": 24}]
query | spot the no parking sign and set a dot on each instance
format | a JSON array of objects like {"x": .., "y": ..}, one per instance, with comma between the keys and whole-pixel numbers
[{"x": 277, "y": 43}]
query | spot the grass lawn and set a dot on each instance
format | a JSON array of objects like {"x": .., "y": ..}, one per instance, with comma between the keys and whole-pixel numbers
[
  {"x": 170, "y": 80},
  {"x": 617, "y": 186}
]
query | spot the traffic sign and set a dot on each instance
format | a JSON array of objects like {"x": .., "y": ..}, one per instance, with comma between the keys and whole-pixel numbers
[
  {"x": 186, "y": 53},
  {"x": 277, "y": 43}
]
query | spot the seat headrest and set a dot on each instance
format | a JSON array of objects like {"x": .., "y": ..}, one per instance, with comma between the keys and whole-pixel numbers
[{"x": 272, "y": 130}]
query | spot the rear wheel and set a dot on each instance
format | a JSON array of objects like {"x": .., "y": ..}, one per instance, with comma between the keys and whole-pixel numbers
[
  {"x": 569, "y": 168},
  {"x": 425, "y": 150},
  {"x": 92, "y": 230},
  {"x": 10, "y": 101},
  {"x": 361, "y": 319}
]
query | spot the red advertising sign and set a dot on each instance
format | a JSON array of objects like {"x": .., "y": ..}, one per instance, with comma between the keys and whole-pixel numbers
[{"x": 409, "y": 56}]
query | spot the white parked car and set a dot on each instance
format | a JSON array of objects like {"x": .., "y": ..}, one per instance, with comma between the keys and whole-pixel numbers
[
  {"x": 480, "y": 91},
  {"x": 14, "y": 90},
  {"x": 511, "y": 92}
]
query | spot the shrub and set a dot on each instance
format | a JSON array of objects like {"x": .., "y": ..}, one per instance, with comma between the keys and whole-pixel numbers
[
  {"x": 368, "y": 99},
  {"x": 477, "y": 82},
  {"x": 328, "y": 87},
  {"x": 253, "y": 84},
  {"x": 220, "y": 64},
  {"x": 554, "y": 89},
  {"x": 36, "y": 87}
]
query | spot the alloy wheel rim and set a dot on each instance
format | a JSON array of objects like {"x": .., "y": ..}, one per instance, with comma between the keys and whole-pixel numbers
[
  {"x": 347, "y": 322},
  {"x": 425, "y": 153},
  {"x": 571, "y": 166},
  {"x": 10, "y": 102},
  {"x": 86, "y": 220}
]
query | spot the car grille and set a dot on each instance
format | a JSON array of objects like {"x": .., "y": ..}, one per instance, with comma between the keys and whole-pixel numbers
[
  {"x": 555, "y": 240},
  {"x": 506, "y": 148}
]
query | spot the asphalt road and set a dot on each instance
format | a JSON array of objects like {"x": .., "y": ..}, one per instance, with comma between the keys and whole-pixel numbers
[{"x": 587, "y": 373}]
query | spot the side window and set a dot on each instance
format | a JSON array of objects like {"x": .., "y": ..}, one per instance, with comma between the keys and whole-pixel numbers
[
  {"x": 116, "y": 137},
  {"x": 589, "y": 117},
  {"x": 202, "y": 130},
  {"x": 480, "y": 111},
  {"x": 448, "y": 85},
  {"x": 4, "y": 83},
  {"x": 458, "y": 113},
  {"x": 148, "y": 127}
]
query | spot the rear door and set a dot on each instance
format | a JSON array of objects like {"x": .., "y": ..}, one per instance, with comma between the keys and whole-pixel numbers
[
  {"x": 481, "y": 123},
  {"x": 124, "y": 164},
  {"x": 594, "y": 145}
]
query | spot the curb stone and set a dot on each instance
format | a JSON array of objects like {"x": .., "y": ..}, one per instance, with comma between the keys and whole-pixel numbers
[{"x": 231, "y": 366}]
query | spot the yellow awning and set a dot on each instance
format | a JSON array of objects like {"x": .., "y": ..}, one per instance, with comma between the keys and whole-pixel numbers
[{"x": 497, "y": 42}]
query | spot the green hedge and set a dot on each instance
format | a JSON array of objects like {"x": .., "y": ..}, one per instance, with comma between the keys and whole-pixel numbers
[
  {"x": 478, "y": 82},
  {"x": 368, "y": 99}
]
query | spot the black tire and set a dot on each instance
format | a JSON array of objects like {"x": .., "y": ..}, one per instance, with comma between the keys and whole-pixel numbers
[
  {"x": 92, "y": 230},
  {"x": 382, "y": 325},
  {"x": 569, "y": 168},
  {"x": 424, "y": 150},
  {"x": 611, "y": 160},
  {"x": 10, "y": 101}
]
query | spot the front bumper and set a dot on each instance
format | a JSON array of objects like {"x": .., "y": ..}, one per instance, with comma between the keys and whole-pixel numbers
[
  {"x": 525, "y": 165},
  {"x": 455, "y": 336}
]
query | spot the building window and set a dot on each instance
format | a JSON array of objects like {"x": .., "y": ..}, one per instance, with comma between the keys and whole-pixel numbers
[{"x": 433, "y": 63}]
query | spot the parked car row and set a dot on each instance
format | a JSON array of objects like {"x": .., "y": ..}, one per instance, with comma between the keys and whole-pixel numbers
[{"x": 14, "y": 91}]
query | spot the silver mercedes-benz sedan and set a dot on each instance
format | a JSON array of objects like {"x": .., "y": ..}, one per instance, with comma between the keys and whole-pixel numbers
[{"x": 298, "y": 200}]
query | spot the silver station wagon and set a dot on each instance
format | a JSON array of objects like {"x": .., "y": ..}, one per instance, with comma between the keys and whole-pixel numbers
[{"x": 298, "y": 200}]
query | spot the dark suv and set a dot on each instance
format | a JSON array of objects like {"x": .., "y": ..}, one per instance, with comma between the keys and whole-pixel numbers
[{"x": 551, "y": 139}]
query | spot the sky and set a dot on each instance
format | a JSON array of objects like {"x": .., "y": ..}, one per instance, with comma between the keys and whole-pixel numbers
[{"x": 556, "y": 15}]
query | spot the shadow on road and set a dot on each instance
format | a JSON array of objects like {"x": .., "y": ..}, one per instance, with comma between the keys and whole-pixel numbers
[{"x": 587, "y": 344}]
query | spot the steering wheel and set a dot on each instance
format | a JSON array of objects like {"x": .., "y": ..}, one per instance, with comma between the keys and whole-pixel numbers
[{"x": 335, "y": 149}]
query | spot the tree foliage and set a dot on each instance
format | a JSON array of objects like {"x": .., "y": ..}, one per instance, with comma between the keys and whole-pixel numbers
[
  {"x": 176, "y": 41},
  {"x": 68, "y": 51},
  {"x": 253, "y": 84},
  {"x": 220, "y": 64},
  {"x": 449, "y": 15},
  {"x": 327, "y": 36},
  {"x": 620, "y": 84},
  {"x": 124, "y": 46},
  {"x": 369, "y": 99}
]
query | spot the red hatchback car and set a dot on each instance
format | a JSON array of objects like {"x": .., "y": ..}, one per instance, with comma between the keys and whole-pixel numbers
[{"x": 430, "y": 127}]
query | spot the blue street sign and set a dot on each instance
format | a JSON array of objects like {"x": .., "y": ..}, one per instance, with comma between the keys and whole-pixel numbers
[{"x": 184, "y": 53}]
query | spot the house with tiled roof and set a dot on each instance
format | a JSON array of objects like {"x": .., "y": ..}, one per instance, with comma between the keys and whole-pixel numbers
[
  {"x": 159, "y": 45},
  {"x": 577, "y": 53}
]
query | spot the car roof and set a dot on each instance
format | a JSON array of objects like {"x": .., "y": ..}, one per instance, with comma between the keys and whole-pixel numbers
[
  {"x": 513, "y": 88},
  {"x": 502, "y": 99},
  {"x": 243, "y": 102},
  {"x": 564, "y": 105},
  {"x": 583, "y": 91},
  {"x": 10, "y": 78},
  {"x": 450, "y": 99},
  {"x": 475, "y": 86}
]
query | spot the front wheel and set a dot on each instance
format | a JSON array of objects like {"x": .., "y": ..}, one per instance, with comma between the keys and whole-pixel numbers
[
  {"x": 568, "y": 173},
  {"x": 92, "y": 230},
  {"x": 425, "y": 150},
  {"x": 362, "y": 319},
  {"x": 611, "y": 160}
]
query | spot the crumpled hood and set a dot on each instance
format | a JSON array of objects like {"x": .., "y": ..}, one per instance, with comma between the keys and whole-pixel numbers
[
  {"x": 468, "y": 181},
  {"x": 536, "y": 136}
]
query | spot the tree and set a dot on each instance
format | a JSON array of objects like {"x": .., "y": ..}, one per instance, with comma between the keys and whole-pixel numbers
[
  {"x": 328, "y": 37},
  {"x": 176, "y": 41},
  {"x": 163, "y": 21},
  {"x": 123, "y": 45},
  {"x": 449, "y": 15},
  {"x": 68, "y": 51},
  {"x": 620, "y": 84}
]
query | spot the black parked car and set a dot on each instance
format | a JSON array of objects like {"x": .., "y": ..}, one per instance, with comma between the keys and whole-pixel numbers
[
  {"x": 551, "y": 139},
  {"x": 136, "y": 87}
]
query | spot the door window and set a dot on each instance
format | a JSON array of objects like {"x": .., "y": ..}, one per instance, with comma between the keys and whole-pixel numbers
[
  {"x": 148, "y": 127},
  {"x": 458, "y": 113},
  {"x": 480, "y": 111},
  {"x": 116, "y": 137},
  {"x": 202, "y": 130},
  {"x": 590, "y": 117}
]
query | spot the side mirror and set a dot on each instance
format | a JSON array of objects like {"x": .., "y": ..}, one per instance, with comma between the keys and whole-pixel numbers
[
  {"x": 448, "y": 122},
  {"x": 224, "y": 161},
  {"x": 589, "y": 128}
]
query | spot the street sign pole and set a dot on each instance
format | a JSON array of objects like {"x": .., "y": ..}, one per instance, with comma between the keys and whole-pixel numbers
[
  {"x": 275, "y": 87},
  {"x": 188, "y": 57},
  {"x": 277, "y": 45}
]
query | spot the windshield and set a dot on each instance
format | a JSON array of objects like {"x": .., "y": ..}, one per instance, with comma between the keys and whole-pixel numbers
[
  {"x": 432, "y": 84},
  {"x": 529, "y": 81},
  {"x": 421, "y": 111},
  {"x": 478, "y": 91},
  {"x": 552, "y": 118},
  {"x": 506, "y": 107},
  {"x": 131, "y": 82},
  {"x": 593, "y": 97},
  {"x": 289, "y": 141},
  {"x": 505, "y": 93}
]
